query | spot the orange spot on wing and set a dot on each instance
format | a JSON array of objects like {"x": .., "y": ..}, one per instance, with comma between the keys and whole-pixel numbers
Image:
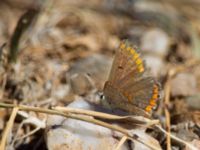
[
  {"x": 148, "y": 108},
  {"x": 134, "y": 54},
  {"x": 130, "y": 50},
  {"x": 128, "y": 96},
  {"x": 122, "y": 46},
  {"x": 141, "y": 68},
  {"x": 154, "y": 98},
  {"x": 152, "y": 102},
  {"x": 138, "y": 61}
]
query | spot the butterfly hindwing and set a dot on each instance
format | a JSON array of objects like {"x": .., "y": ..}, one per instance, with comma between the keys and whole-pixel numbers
[{"x": 116, "y": 99}]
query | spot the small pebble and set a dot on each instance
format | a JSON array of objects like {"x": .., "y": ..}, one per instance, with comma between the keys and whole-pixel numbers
[
  {"x": 155, "y": 41},
  {"x": 183, "y": 84},
  {"x": 66, "y": 133},
  {"x": 96, "y": 66},
  {"x": 156, "y": 65}
]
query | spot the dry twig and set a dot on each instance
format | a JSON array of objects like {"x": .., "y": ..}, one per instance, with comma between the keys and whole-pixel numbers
[
  {"x": 167, "y": 90},
  {"x": 8, "y": 128},
  {"x": 177, "y": 139},
  {"x": 122, "y": 141}
]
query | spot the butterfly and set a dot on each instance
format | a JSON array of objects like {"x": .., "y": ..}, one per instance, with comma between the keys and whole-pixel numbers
[{"x": 129, "y": 86}]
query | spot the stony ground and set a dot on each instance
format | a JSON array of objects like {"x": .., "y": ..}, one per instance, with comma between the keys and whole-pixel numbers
[{"x": 64, "y": 56}]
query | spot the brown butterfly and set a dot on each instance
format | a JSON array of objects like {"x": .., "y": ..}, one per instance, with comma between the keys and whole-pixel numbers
[{"x": 129, "y": 86}]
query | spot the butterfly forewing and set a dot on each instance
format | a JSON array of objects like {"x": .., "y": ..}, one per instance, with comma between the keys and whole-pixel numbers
[
  {"x": 117, "y": 66},
  {"x": 124, "y": 64}
]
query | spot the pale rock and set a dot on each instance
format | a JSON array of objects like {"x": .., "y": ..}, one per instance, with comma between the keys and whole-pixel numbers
[
  {"x": 156, "y": 41},
  {"x": 155, "y": 64},
  {"x": 96, "y": 66},
  {"x": 183, "y": 84},
  {"x": 65, "y": 133}
]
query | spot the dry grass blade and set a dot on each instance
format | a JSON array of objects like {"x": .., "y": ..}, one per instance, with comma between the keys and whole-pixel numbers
[
  {"x": 139, "y": 120},
  {"x": 25, "y": 22},
  {"x": 8, "y": 128},
  {"x": 177, "y": 139},
  {"x": 167, "y": 101},
  {"x": 122, "y": 141},
  {"x": 38, "y": 124}
]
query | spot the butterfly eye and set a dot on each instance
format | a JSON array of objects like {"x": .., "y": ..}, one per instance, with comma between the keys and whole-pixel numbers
[{"x": 101, "y": 95}]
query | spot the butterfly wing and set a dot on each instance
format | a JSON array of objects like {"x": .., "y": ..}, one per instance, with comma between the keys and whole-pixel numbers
[
  {"x": 128, "y": 86},
  {"x": 126, "y": 64},
  {"x": 116, "y": 100}
]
